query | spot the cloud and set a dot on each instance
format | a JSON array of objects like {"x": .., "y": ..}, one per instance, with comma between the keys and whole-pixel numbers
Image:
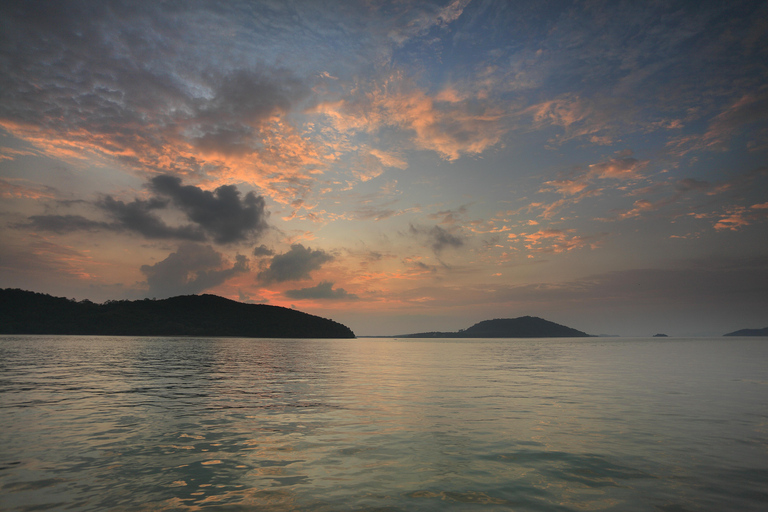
[
  {"x": 450, "y": 129},
  {"x": 562, "y": 112},
  {"x": 17, "y": 188},
  {"x": 548, "y": 210},
  {"x": 389, "y": 159},
  {"x": 449, "y": 217},
  {"x": 620, "y": 168},
  {"x": 558, "y": 241},
  {"x": 64, "y": 223},
  {"x": 324, "y": 290},
  {"x": 294, "y": 265},
  {"x": 378, "y": 212},
  {"x": 748, "y": 110},
  {"x": 737, "y": 217},
  {"x": 438, "y": 237},
  {"x": 41, "y": 259},
  {"x": 137, "y": 216},
  {"x": 742, "y": 115},
  {"x": 156, "y": 89},
  {"x": 676, "y": 191},
  {"x": 581, "y": 185},
  {"x": 419, "y": 18},
  {"x": 192, "y": 269},
  {"x": 220, "y": 213},
  {"x": 627, "y": 168},
  {"x": 262, "y": 250}
]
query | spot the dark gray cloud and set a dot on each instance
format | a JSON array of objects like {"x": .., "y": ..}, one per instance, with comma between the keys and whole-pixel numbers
[
  {"x": 323, "y": 291},
  {"x": 220, "y": 213},
  {"x": 192, "y": 269},
  {"x": 64, "y": 224},
  {"x": 437, "y": 237},
  {"x": 138, "y": 216},
  {"x": 293, "y": 265},
  {"x": 262, "y": 250}
]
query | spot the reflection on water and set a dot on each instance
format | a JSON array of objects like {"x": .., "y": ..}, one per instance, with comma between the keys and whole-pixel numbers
[{"x": 98, "y": 423}]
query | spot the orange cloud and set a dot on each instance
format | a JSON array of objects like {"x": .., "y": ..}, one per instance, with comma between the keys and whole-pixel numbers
[
  {"x": 549, "y": 210},
  {"x": 559, "y": 241},
  {"x": 561, "y": 112},
  {"x": 735, "y": 219},
  {"x": 64, "y": 259},
  {"x": 281, "y": 162},
  {"x": 483, "y": 227},
  {"x": 641, "y": 206},
  {"x": 565, "y": 187},
  {"x": 618, "y": 169},
  {"x": 389, "y": 159},
  {"x": 445, "y": 123},
  {"x": 13, "y": 189},
  {"x": 576, "y": 188}
]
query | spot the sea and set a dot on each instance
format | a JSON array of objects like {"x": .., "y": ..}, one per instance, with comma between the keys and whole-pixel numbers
[{"x": 92, "y": 423}]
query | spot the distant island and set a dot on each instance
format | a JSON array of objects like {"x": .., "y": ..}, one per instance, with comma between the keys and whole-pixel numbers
[
  {"x": 522, "y": 327},
  {"x": 660, "y": 335},
  {"x": 25, "y": 312},
  {"x": 749, "y": 332}
]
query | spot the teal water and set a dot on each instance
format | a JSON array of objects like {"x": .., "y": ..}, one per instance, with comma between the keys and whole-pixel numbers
[{"x": 100, "y": 423}]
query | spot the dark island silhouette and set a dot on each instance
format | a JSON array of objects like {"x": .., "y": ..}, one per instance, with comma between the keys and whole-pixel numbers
[
  {"x": 749, "y": 332},
  {"x": 522, "y": 327},
  {"x": 25, "y": 312}
]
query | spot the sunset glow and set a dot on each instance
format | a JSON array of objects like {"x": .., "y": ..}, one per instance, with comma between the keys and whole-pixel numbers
[{"x": 395, "y": 166}]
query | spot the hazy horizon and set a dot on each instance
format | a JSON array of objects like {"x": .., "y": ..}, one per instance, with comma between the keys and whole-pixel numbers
[{"x": 398, "y": 167}]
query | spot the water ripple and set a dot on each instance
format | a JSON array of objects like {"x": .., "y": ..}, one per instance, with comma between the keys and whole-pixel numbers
[{"x": 99, "y": 423}]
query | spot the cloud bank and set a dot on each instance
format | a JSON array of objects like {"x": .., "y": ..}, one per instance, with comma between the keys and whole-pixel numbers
[
  {"x": 294, "y": 265},
  {"x": 192, "y": 269},
  {"x": 221, "y": 216},
  {"x": 323, "y": 291}
]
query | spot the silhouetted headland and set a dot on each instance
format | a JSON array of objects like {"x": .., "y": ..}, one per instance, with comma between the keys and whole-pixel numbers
[
  {"x": 24, "y": 312},
  {"x": 522, "y": 327},
  {"x": 749, "y": 332}
]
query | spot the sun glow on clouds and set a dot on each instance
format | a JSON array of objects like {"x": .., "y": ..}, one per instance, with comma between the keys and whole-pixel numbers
[
  {"x": 446, "y": 123},
  {"x": 413, "y": 156}
]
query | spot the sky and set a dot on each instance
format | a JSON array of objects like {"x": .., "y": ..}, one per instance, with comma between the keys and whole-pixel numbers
[{"x": 398, "y": 166}]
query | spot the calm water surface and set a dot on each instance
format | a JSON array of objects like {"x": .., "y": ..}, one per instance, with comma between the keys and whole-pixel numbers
[{"x": 111, "y": 423}]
